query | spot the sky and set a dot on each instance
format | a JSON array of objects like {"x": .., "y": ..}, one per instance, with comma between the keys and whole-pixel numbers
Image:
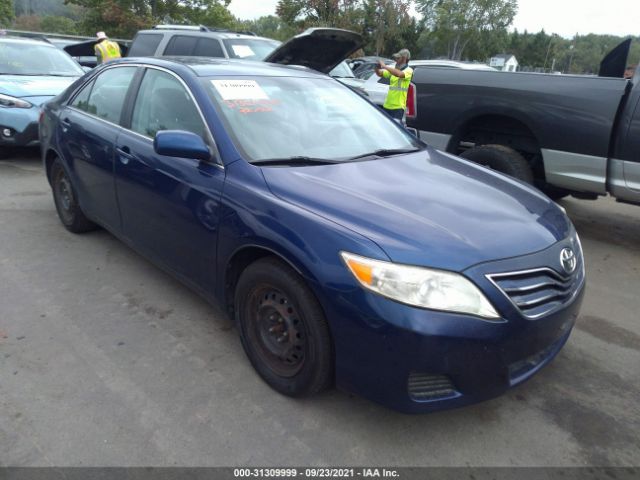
[{"x": 564, "y": 17}]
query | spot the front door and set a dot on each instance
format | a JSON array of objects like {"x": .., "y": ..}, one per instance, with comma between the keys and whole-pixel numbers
[{"x": 170, "y": 206}]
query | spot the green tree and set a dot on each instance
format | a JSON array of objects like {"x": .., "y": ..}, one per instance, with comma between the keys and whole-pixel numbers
[
  {"x": 268, "y": 26},
  {"x": 454, "y": 24},
  {"x": 7, "y": 13},
  {"x": 57, "y": 24},
  {"x": 122, "y": 18}
]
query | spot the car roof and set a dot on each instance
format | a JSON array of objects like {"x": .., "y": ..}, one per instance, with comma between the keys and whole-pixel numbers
[
  {"x": 199, "y": 33},
  {"x": 211, "y": 67},
  {"x": 23, "y": 40}
]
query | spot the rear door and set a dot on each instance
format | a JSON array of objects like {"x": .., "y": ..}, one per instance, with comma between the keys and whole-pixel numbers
[
  {"x": 632, "y": 163},
  {"x": 89, "y": 126},
  {"x": 170, "y": 206}
]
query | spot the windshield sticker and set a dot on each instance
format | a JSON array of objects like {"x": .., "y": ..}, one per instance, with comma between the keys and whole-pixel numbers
[
  {"x": 239, "y": 90},
  {"x": 251, "y": 106},
  {"x": 242, "y": 51}
]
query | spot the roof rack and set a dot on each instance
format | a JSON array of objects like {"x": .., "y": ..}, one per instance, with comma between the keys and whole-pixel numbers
[{"x": 200, "y": 28}]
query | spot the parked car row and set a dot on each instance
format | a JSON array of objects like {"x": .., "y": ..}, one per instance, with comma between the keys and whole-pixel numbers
[{"x": 347, "y": 251}]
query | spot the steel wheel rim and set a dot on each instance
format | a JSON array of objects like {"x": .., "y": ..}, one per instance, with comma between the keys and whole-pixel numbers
[
  {"x": 277, "y": 331},
  {"x": 64, "y": 196}
]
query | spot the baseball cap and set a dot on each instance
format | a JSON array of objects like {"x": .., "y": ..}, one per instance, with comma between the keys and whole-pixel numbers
[{"x": 402, "y": 53}]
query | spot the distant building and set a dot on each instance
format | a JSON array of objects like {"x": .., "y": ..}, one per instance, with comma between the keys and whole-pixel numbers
[{"x": 505, "y": 62}]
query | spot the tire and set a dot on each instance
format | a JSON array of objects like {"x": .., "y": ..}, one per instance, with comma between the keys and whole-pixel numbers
[
  {"x": 503, "y": 159},
  {"x": 283, "y": 329},
  {"x": 555, "y": 193},
  {"x": 65, "y": 199}
]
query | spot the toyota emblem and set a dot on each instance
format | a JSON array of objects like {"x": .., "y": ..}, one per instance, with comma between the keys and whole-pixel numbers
[{"x": 568, "y": 260}]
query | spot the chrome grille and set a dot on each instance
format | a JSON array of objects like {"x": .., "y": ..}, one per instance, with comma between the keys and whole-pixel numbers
[
  {"x": 424, "y": 386},
  {"x": 540, "y": 291}
]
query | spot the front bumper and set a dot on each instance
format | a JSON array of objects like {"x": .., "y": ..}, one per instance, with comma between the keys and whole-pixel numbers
[
  {"x": 23, "y": 126},
  {"x": 414, "y": 360}
]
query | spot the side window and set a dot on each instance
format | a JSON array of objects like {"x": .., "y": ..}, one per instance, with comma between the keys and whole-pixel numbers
[
  {"x": 208, "y": 47},
  {"x": 145, "y": 45},
  {"x": 163, "y": 103},
  {"x": 81, "y": 102},
  {"x": 108, "y": 93},
  {"x": 181, "y": 45}
]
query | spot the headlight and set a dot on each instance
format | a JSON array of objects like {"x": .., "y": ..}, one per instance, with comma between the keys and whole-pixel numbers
[
  {"x": 13, "y": 102},
  {"x": 420, "y": 287}
]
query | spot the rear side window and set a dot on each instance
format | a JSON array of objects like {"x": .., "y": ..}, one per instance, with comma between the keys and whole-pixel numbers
[
  {"x": 208, "y": 47},
  {"x": 145, "y": 45},
  {"x": 181, "y": 45},
  {"x": 108, "y": 93}
]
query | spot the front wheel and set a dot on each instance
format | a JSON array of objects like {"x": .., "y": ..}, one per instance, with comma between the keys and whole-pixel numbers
[
  {"x": 503, "y": 159},
  {"x": 66, "y": 201},
  {"x": 283, "y": 329}
]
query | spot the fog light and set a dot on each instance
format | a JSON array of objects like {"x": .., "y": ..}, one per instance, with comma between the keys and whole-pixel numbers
[{"x": 6, "y": 132}]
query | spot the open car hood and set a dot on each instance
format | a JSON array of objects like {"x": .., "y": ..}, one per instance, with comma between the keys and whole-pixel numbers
[
  {"x": 318, "y": 48},
  {"x": 86, "y": 49}
]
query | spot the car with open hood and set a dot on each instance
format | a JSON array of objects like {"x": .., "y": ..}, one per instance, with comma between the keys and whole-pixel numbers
[
  {"x": 31, "y": 72},
  {"x": 347, "y": 251}
]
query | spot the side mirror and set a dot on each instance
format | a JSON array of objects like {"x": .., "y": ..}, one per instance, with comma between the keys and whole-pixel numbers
[{"x": 178, "y": 143}]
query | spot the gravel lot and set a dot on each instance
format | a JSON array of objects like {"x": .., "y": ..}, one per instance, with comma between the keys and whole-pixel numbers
[{"x": 106, "y": 360}]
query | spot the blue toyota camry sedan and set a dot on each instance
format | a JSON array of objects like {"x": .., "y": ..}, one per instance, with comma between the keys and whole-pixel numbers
[{"x": 347, "y": 251}]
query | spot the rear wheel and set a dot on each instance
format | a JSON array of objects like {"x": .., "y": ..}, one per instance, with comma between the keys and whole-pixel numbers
[
  {"x": 66, "y": 201},
  {"x": 503, "y": 159},
  {"x": 283, "y": 329}
]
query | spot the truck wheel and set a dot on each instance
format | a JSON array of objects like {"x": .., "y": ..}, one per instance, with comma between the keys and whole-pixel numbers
[
  {"x": 503, "y": 159},
  {"x": 283, "y": 329},
  {"x": 66, "y": 201}
]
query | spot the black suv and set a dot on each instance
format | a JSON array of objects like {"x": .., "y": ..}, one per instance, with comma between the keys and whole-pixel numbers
[{"x": 183, "y": 40}]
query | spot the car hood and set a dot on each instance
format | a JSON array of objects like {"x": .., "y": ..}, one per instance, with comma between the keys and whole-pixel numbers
[
  {"x": 34, "y": 86},
  {"x": 318, "y": 48},
  {"x": 427, "y": 208}
]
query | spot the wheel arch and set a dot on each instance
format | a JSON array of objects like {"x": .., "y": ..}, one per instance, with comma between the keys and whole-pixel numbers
[
  {"x": 247, "y": 254},
  {"x": 49, "y": 158}
]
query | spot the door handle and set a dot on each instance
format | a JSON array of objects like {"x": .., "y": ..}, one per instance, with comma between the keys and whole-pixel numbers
[
  {"x": 124, "y": 155},
  {"x": 66, "y": 123}
]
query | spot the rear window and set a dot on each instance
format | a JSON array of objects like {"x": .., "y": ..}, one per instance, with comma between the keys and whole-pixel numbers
[{"x": 145, "y": 45}]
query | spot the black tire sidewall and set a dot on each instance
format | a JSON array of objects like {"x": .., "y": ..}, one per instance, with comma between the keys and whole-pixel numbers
[
  {"x": 56, "y": 169},
  {"x": 77, "y": 221},
  {"x": 315, "y": 371},
  {"x": 501, "y": 159}
]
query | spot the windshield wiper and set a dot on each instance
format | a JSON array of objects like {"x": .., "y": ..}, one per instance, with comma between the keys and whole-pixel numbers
[
  {"x": 297, "y": 160},
  {"x": 386, "y": 152}
]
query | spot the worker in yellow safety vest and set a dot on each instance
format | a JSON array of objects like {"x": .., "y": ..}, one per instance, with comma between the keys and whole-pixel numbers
[
  {"x": 106, "y": 50},
  {"x": 399, "y": 80}
]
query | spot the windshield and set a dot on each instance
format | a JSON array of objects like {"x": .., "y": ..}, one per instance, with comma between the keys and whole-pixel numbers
[
  {"x": 249, "y": 48},
  {"x": 22, "y": 58},
  {"x": 285, "y": 117},
  {"x": 342, "y": 70}
]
